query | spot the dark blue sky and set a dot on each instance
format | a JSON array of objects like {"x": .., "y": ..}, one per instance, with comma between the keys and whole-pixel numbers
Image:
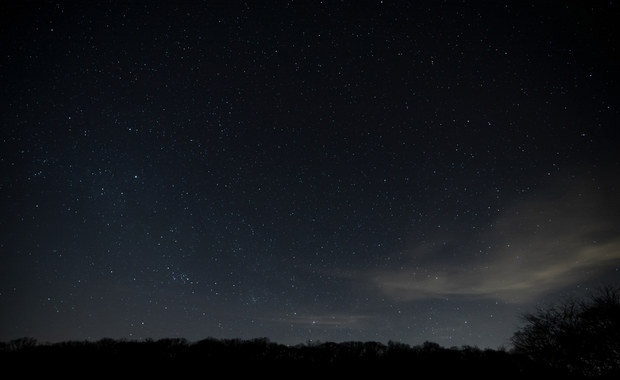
[{"x": 298, "y": 170}]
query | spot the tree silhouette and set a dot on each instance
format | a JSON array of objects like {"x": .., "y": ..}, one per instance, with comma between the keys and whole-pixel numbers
[
  {"x": 582, "y": 337},
  {"x": 258, "y": 357}
]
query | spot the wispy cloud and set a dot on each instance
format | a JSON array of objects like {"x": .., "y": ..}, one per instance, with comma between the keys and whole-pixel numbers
[
  {"x": 538, "y": 246},
  {"x": 332, "y": 320}
]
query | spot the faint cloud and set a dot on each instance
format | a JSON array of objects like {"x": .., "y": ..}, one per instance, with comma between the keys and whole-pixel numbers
[
  {"x": 538, "y": 245},
  {"x": 338, "y": 321}
]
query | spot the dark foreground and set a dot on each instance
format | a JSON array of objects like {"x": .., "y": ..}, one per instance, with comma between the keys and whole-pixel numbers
[{"x": 212, "y": 358}]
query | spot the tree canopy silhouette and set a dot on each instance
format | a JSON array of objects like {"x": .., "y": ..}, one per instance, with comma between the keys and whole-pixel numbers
[
  {"x": 581, "y": 336},
  {"x": 578, "y": 337},
  {"x": 237, "y": 357}
]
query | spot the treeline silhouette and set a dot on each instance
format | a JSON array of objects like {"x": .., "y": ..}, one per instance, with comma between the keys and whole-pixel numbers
[
  {"x": 580, "y": 336},
  {"x": 250, "y": 357},
  {"x": 576, "y": 339}
]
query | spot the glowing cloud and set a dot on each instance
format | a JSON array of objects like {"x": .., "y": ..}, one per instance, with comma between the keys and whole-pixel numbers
[{"x": 541, "y": 246}]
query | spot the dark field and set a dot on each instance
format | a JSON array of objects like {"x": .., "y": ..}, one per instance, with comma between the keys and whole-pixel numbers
[{"x": 213, "y": 358}]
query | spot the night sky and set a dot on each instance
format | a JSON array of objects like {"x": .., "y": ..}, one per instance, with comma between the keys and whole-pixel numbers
[{"x": 305, "y": 170}]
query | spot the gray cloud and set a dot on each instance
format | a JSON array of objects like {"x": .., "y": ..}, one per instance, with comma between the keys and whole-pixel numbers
[
  {"x": 327, "y": 321},
  {"x": 538, "y": 246}
]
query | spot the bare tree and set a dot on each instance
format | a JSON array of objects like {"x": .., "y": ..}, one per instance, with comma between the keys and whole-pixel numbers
[{"x": 581, "y": 336}]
